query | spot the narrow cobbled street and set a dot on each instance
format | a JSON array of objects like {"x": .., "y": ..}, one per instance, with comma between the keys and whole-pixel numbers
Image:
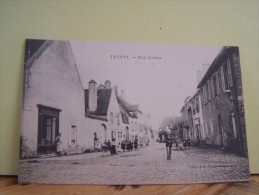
[{"x": 147, "y": 165}]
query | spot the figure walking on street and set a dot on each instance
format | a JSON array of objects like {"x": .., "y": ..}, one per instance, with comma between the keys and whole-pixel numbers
[{"x": 168, "y": 144}]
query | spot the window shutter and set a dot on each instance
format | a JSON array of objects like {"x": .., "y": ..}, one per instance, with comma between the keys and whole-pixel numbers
[
  {"x": 212, "y": 87},
  {"x": 222, "y": 79},
  {"x": 230, "y": 82},
  {"x": 217, "y": 83},
  {"x": 209, "y": 89}
]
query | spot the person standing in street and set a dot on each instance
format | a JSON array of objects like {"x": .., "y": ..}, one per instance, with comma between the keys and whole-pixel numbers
[
  {"x": 168, "y": 144},
  {"x": 198, "y": 141},
  {"x": 113, "y": 147},
  {"x": 123, "y": 145},
  {"x": 136, "y": 144},
  {"x": 58, "y": 144}
]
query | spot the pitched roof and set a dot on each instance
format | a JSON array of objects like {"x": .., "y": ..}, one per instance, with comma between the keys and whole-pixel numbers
[
  {"x": 126, "y": 106},
  {"x": 34, "y": 49},
  {"x": 103, "y": 100},
  {"x": 124, "y": 114},
  {"x": 131, "y": 110},
  {"x": 222, "y": 55},
  {"x": 31, "y": 47}
]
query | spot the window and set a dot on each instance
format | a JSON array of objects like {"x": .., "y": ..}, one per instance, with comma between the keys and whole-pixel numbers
[
  {"x": 223, "y": 79},
  {"x": 206, "y": 128},
  {"x": 202, "y": 95},
  {"x": 217, "y": 83},
  {"x": 211, "y": 127},
  {"x": 207, "y": 92},
  {"x": 212, "y": 91},
  {"x": 214, "y": 86},
  {"x": 117, "y": 116},
  {"x": 111, "y": 118},
  {"x": 113, "y": 135},
  {"x": 193, "y": 107},
  {"x": 234, "y": 125},
  {"x": 226, "y": 76},
  {"x": 230, "y": 82},
  {"x": 73, "y": 134},
  {"x": 197, "y": 105}
]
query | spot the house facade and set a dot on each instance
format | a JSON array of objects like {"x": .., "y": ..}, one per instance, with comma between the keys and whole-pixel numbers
[
  {"x": 187, "y": 121},
  {"x": 132, "y": 120},
  {"x": 215, "y": 114},
  {"x": 196, "y": 112},
  {"x": 222, "y": 102},
  {"x": 53, "y": 101},
  {"x": 102, "y": 114}
]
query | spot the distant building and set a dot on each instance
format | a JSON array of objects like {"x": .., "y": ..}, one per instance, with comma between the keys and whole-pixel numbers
[
  {"x": 132, "y": 125},
  {"x": 166, "y": 126},
  {"x": 195, "y": 109},
  {"x": 187, "y": 120}
]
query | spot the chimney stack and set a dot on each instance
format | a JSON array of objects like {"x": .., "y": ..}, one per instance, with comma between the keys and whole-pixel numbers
[
  {"x": 199, "y": 76},
  {"x": 123, "y": 94},
  {"x": 108, "y": 84},
  {"x": 92, "y": 99},
  {"x": 116, "y": 90},
  {"x": 205, "y": 67}
]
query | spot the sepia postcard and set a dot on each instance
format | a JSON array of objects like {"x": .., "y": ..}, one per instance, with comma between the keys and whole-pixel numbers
[{"x": 131, "y": 114}]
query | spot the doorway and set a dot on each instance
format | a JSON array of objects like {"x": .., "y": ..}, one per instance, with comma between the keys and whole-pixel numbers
[{"x": 48, "y": 128}]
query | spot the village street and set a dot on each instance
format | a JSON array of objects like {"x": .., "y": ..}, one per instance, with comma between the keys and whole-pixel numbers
[{"x": 148, "y": 165}]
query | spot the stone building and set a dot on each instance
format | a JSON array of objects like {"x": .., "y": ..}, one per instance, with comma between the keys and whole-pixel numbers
[
  {"x": 102, "y": 114},
  {"x": 222, "y": 102},
  {"x": 132, "y": 124},
  {"x": 195, "y": 110},
  {"x": 110, "y": 116},
  {"x": 53, "y": 100},
  {"x": 187, "y": 120}
]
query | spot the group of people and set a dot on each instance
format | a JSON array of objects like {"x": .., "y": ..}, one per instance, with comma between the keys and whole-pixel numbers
[
  {"x": 125, "y": 145},
  {"x": 111, "y": 146},
  {"x": 129, "y": 145},
  {"x": 107, "y": 145}
]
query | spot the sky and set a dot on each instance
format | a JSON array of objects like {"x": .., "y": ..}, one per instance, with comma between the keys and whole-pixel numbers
[{"x": 158, "y": 85}]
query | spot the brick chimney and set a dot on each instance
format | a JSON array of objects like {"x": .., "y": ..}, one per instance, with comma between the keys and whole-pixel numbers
[
  {"x": 108, "y": 84},
  {"x": 92, "y": 99}
]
